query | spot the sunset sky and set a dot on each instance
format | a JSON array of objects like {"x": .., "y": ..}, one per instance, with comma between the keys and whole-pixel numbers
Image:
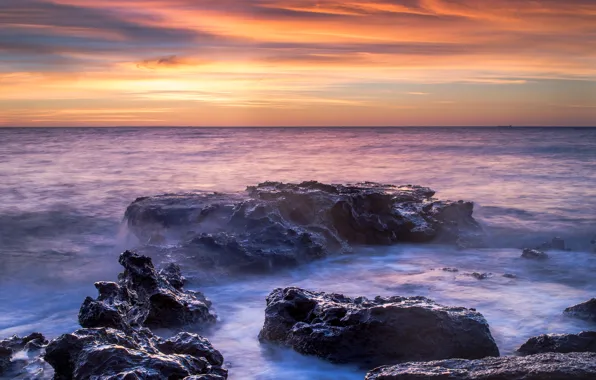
[{"x": 297, "y": 62}]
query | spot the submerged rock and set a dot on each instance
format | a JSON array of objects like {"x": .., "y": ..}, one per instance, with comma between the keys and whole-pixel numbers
[
  {"x": 585, "y": 311},
  {"x": 480, "y": 276},
  {"x": 562, "y": 343},
  {"x": 374, "y": 332},
  {"x": 551, "y": 366},
  {"x": 112, "y": 354},
  {"x": 534, "y": 254},
  {"x": 276, "y": 225},
  {"x": 144, "y": 297}
]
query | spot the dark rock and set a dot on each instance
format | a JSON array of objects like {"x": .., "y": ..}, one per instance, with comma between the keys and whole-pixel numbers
[
  {"x": 112, "y": 354},
  {"x": 5, "y": 358},
  {"x": 275, "y": 225},
  {"x": 551, "y": 366},
  {"x": 173, "y": 275},
  {"x": 534, "y": 254},
  {"x": 374, "y": 332},
  {"x": 509, "y": 275},
  {"x": 480, "y": 276},
  {"x": 562, "y": 343},
  {"x": 32, "y": 344},
  {"x": 586, "y": 310},
  {"x": 452, "y": 270},
  {"x": 142, "y": 297}
]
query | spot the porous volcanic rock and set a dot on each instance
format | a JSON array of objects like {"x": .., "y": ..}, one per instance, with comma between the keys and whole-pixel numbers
[
  {"x": 562, "y": 343},
  {"x": 32, "y": 345},
  {"x": 112, "y": 354},
  {"x": 144, "y": 297},
  {"x": 275, "y": 225},
  {"x": 374, "y": 332},
  {"x": 585, "y": 311},
  {"x": 550, "y": 366}
]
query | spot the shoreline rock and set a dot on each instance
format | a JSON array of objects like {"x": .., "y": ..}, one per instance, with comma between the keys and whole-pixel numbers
[
  {"x": 110, "y": 353},
  {"x": 32, "y": 344},
  {"x": 585, "y": 310},
  {"x": 551, "y": 366},
  {"x": 144, "y": 297},
  {"x": 275, "y": 225},
  {"x": 561, "y": 343},
  {"x": 374, "y": 332}
]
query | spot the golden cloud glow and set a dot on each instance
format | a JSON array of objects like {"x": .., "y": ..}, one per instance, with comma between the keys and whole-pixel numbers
[{"x": 297, "y": 62}]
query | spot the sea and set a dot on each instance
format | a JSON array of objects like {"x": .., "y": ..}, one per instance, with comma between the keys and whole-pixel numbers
[{"x": 63, "y": 193}]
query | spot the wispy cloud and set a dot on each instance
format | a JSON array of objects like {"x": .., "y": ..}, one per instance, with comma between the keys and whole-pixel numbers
[{"x": 345, "y": 61}]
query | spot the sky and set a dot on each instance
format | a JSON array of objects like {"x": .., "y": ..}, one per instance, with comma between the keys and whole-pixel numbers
[{"x": 297, "y": 62}]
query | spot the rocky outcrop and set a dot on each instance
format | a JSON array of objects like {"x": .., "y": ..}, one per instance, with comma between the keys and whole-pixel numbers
[
  {"x": 585, "y": 311},
  {"x": 551, "y": 366},
  {"x": 534, "y": 254},
  {"x": 115, "y": 343},
  {"x": 275, "y": 225},
  {"x": 562, "y": 343},
  {"x": 144, "y": 297},
  {"x": 374, "y": 332},
  {"x": 31, "y": 345},
  {"x": 112, "y": 354}
]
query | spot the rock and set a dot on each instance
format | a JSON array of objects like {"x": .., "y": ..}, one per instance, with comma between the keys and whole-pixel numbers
[
  {"x": 452, "y": 270},
  {"x": 112, "y": 354},
  {"x": 586, "y": 310},
  {"x": 374, "y": 332},
  {"x": 143, "y": 297},
  {"x": 32, "y": 344},
  {"x": 534, "y": 254},
  {"x": 480, "y": 276},
  {"x": 275, "y": 225},
  {"x": 562, "y": 343},
  {"x": 509, "y": 275},
  {"x": 551, "y": 366},
  {"x": 5, "y": 358}
]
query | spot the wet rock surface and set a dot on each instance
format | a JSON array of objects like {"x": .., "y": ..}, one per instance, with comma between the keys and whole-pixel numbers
[
  {"x": 112, "y": 354},
  {"x": 275, "y": 225},
  {"x": 585, "y": 311},
  {"x": 551, "y": 366},
  {"x": 32, "y": 345},
  {"x": 144, "y": 297},
  {"x": 562, "y": 343},
  {"x": 374, "y": 332},
  {"x": 534, "y": 254}
]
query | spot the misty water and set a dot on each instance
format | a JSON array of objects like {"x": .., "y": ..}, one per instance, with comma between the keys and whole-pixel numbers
[{"x": 64, "y": 191}]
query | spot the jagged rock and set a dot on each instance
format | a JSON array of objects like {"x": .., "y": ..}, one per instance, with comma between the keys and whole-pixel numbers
[
  {"x": 586, "y": 310},
  {"x": 138, "y": 354},
  {"x": 562, "y": 343},
  {"x": 142, "y": 297},
  {"x": 275, "y": 225},
  {"x": 551, "y": 366},
  {"x": 534, "y": 254},
  {"x": 374, "y": 332},
  {"x": 32, "y": 344}
]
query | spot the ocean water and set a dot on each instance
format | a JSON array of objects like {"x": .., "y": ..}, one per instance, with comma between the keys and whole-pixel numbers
[{"x": 63, "y": 193}]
